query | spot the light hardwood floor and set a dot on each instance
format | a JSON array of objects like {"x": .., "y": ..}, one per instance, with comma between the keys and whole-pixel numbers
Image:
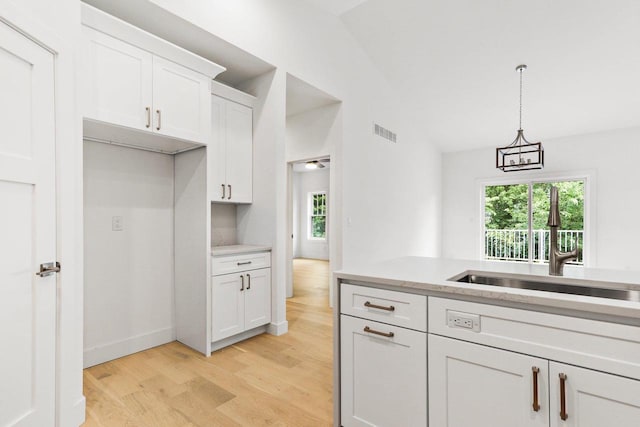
[{"x": 264, "y": 381}]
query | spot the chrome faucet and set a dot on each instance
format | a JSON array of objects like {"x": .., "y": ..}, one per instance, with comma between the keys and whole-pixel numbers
[{"x": 557, "y": 259}]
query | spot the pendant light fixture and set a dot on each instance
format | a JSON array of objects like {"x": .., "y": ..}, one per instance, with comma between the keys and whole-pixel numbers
[{"x": 520, "y": 154}]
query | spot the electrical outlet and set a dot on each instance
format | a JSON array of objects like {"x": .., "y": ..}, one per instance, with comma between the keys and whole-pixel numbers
[
  {"x": 456, "y": 319},
  {"x": 116, "y": 223}
]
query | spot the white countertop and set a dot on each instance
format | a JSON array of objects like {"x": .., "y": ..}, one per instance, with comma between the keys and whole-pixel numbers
[
  {"x": 237, "y": 249},
  {"x": 429, "y": 275}
]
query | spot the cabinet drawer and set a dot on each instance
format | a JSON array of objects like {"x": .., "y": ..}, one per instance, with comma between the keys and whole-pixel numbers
[
  {"x": 605, "y": 346},
  {"x": 241, "y": 262},
  {"x": 381, "y": 305}
]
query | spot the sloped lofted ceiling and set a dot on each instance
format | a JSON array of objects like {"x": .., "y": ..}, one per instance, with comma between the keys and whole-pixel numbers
[{"x": 453, "y": 61}]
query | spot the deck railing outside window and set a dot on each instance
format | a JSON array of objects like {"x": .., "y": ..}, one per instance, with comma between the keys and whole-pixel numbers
[{"x": 513, "y": 245}]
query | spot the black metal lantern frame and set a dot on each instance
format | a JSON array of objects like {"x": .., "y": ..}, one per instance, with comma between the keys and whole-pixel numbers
[{"x": 521, "y": 154}]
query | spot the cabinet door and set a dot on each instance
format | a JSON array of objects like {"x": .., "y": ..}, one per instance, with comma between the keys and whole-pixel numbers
[
  {"x": 239, "y": 152},
  {"x": 227, "y": 305},
  {"x": 257, "y": 298},
  {"x": 118, "y": 81},
  {"x": 181, "y": 107},
  {"x": 593, "y": 399},
  {"x": 474, "y": 385},
  {"x": 383, "y": 379},
  {"x": 217, "y": 152}
]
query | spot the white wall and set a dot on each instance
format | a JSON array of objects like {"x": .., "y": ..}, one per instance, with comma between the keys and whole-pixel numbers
[
  {"x": 314, "y": 133},
  {"x": 609, "y": 157},
  {"x": 224, "y": 226},
  {"x": 316, "y": 47},
  {"x": 306, "y": 182},
  {"x": 129, "y": 299}
]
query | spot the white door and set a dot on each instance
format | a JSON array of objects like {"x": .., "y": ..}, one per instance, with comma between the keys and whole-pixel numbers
[
  {"x": 227, "y": 305},
  {"x": 474, "y": 385},
  {"x": 118, "y": 81},
  {"x": 257, "y": 298},
  {"x": 383, "y": 378},
  {"x": 593, "y": 399},
  {"x": 27, "y": 230},
  {"x": 181, "y": 102},
  {"x": 239, "y": 152},
  {"x": 216, "y": 151}
]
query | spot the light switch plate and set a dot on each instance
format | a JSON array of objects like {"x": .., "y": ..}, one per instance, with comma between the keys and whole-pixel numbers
[{"x": 116, "y": 223}]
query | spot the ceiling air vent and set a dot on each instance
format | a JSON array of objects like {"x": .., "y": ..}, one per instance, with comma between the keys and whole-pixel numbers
[{"x": 384, "y": 133}]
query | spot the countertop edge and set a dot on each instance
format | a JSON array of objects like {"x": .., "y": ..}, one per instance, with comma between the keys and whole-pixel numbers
[
  {"x": 490, "y": 294},
  {"x": 217, "y": 251}
]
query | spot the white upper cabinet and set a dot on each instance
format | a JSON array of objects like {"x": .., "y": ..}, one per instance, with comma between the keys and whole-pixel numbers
[
  {"x": 180, "y": 101},
  {"x": 136, "y": 81},
  {"x": 231, "y": 159},
  {"x": 119, "y": 88}
]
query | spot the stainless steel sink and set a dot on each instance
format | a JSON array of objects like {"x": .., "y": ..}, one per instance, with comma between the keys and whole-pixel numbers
[{"x": 619, "y": 291}]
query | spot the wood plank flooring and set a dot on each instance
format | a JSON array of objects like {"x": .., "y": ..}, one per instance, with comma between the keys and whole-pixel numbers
[{"x": 264, "y": 381}]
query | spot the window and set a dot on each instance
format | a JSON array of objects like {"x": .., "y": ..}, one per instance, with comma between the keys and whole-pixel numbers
[
  {"x": 318, "y": 215},
  {"x": 515, "y": 220}
]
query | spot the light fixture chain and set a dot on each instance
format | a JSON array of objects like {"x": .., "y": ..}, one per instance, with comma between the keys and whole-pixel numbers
[{"x": 521, "y": 98}]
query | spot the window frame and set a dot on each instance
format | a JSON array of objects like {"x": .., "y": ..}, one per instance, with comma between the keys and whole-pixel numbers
[
  {"x": 310, "y": 215},
  {"x": 590, "y": 237}
]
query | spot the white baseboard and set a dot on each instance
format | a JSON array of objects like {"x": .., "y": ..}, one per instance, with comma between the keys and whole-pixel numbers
[
  {"x": 75, "y": 415},
  {"x": 277, "y": 329},
  {"x": 225, "y": 342},
  {"x": 113, "y": 350}
]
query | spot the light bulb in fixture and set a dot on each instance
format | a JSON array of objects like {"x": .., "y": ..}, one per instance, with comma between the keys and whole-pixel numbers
[{"x": 311, "y": 165}]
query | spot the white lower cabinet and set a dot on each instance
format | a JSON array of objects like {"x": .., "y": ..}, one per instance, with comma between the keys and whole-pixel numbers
[
  {"x": 592, "y": 398},
  {"x": 239, "y": 302},
  {"x": 480, "y": 386},
  {"x": 383, "y": 374}
]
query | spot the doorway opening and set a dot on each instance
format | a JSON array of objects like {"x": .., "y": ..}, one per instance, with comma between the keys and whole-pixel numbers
[
  {"x": 313, "y": 154},
  {"x": 311, "y": 228}
]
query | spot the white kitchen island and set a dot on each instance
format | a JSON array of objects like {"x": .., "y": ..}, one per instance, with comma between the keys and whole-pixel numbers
[{"x": 414, "y": 348}]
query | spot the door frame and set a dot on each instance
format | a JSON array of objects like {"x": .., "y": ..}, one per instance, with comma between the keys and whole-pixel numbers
[{"x": 69, "y": 401}]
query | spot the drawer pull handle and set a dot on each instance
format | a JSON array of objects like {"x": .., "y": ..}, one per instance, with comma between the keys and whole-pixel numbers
[
  {"x": 536, "y": 404},
  {"x": 224, "y": 193},
  {"x": 244, "y": 263},
  {"x": 249, "y": 281},
  {"x": 148, "y": 110},
  {"x": 242, "y": 287},
  {"x": 382, "y": 334},
  {"x": 563, "y": 397},
  {"x": 159, "y": 119},
  {"x": 229, "y": 185},
  {"x": 379, "y": 307}
]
